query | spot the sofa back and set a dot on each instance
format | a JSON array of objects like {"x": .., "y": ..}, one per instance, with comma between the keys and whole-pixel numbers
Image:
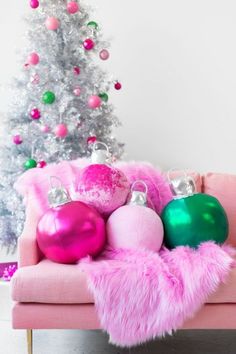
[{"x": 223, "y": 187}]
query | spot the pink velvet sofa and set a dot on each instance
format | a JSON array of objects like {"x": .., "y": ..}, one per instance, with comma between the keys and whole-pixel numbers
[{"x": 53, "y": 296}]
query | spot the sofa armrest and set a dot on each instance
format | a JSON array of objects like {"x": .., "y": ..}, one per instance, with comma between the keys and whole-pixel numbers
[{"x": 28, "y": 250}]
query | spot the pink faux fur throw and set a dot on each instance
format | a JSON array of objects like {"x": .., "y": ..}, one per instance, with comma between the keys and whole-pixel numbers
[
  {"x": 34, "y": 184},
  {"x": 140, "y": 295}
]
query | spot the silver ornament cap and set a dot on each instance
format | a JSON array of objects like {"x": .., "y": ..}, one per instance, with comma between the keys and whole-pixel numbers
[
  {"x": 99, "y": 155},
  {"x": 57, "y": 195},
  {"x": 182, "y": 186},
  {"x": 138, "y": 197}
]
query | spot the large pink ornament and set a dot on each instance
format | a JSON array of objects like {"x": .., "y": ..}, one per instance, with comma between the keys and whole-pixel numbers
[
  {"x": 71, "y": 231},
  {"x": 35, "y": 113},
  {"x": 135, "y": 226},
  {"x": 104, "y": 54},
  {"x": 94, "y": 102},
  {"x": 33, "y": 59},
  {"x": 88, "y": 44},
  {"x": 52, "y": 23},
  {"x": 72, "y": 7}
]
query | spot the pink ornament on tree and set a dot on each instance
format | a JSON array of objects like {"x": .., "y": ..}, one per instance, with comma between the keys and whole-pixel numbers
[
  {"x": 33, "y": 59},
  {"x": 100, "y": 185},
  {"x": 72, "y": 7},
  {"x": 17, "y": 139},
  {"x": 61, "y": 130},
  {"x": 34, "y": 4},
  {"x": 35, "y": 113},
  {"x": 135, "y": 226},
  {"x": 70, "y": 230},
  {"x": 45, "y": 128},
  {"x": 88, "y": 44},
  {"x": 35, "y": 79},
  {"x": 52, "y": 23},
  {"x": 104, "y": 54},
  {"x": 94, "y": 102},
  {"x": 77, "y": 91}
]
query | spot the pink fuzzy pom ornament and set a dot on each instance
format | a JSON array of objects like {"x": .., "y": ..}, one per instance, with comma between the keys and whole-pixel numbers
[
  {"x": 135, "y": 225},
  {"x": 100, "y": 185}
]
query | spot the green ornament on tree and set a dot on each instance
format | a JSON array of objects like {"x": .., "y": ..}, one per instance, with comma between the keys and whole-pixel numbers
[
  {"x": 48, "y": 97},
  {"x": 193, "y": 219},
  {"x": 30, "y": 163},
  {"x": 104, "y": 96},
  {"x": 93, "y": 25}
]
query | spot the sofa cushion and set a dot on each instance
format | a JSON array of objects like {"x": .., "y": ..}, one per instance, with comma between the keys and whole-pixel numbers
[
  {"x": 54, "y": 283},
  {"x": 223, "y": 187},
  {"x": 49, "y": 282}
]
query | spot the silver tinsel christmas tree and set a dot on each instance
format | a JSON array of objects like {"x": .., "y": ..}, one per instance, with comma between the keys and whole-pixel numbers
[{"x": 59, "y": 101}]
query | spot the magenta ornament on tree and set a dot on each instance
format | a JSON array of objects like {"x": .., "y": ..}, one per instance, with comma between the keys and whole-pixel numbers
[
  {"x": 94, "y": 102},
  {"x": 104, "y": 54},
  {"x": 117, "y": 85},
  {"x": 35, "y": 113},
  {"x": 33, "y": 59},
  {"x": 34, "y": 4},
  {"x": 61, "y": 130},
  {"x": 135, "y": 225},
  {"x": 76, "y": 70},
  {"x": 52, "y": 23},
  {"x": 72, "y": 7},
  {"x": 69, "y": 230},
  {"x": 88, "y": 44},
  {"x": 41, "y": 164},
  {"x": 91, "y": 140},
  {"x": 17, "y": 139},
  {"x": 100, "y": 185}
]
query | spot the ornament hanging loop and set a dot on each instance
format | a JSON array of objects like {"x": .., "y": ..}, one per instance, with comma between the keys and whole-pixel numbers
[
  {"x": 181, "y": 186},
  {"x": 58, "y": 194},
  {"x": 100, "y": 156},
  {"x": 138, "y": 197}
]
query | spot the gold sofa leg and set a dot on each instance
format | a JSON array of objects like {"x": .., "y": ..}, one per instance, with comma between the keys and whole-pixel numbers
[{"x": 30, "y": 341}]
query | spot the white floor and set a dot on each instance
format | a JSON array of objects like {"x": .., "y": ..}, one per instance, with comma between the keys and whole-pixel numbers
[{"x": 96, "y": 342}]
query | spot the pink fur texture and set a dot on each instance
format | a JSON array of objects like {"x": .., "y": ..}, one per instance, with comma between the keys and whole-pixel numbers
[
  {"x": 34, "y": 184},
  {"x": 140, "y": 295}
]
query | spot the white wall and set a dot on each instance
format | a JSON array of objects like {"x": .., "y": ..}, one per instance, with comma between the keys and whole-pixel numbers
[{"x": 177, "y": 63}]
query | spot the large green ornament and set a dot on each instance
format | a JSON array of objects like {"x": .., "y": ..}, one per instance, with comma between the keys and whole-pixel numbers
[
  {"x": 104, "y": 96},
  {"x": 194, "y": 219},
  {"x": 48, "y": 97},
  {"x": 30, "y": 163}
]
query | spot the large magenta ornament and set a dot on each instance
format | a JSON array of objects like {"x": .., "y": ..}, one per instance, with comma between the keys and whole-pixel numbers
[
  {"x": 70, "y": 230},
  {"x": 101, "y": 185}
]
